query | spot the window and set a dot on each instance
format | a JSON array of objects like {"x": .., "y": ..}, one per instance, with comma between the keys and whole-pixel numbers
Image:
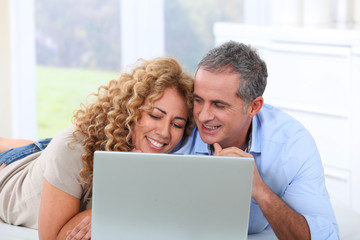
[{"x": 82, "y": 44}]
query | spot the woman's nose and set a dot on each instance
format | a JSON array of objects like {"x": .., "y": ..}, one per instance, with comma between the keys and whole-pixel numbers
[{"x": 163, "y": 130}]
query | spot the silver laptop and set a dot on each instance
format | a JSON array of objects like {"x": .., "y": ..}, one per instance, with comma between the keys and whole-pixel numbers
[{"x": 138, "y": 196}]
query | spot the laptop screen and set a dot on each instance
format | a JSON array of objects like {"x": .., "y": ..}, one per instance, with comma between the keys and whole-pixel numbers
[{"x": 168, "y": 196}]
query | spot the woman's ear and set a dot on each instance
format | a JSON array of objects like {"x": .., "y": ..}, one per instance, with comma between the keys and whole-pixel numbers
[{"x": 255, "y": 106}]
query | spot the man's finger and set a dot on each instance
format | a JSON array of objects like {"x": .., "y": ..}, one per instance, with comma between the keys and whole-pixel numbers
[{"x": 217, "y": 149}]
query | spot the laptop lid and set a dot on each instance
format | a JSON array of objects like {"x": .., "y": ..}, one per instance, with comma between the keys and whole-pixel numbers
[{"x": 148, "y": 196}]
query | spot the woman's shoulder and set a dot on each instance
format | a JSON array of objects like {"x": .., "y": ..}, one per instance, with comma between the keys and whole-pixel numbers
[
  {"x": 65, "y": 141},
  {"x": 63, "y": 151},
  {"x": 63, "y": 162},
  {"x": 65, "y": 134}
]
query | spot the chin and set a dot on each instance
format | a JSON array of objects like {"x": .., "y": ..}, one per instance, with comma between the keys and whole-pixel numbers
[{"x": 209, "y": 140}]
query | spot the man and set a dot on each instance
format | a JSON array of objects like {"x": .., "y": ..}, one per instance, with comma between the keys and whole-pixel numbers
[{"x": 288, "y": 191}]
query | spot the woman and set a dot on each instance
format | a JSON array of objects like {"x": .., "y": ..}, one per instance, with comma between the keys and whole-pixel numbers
[{"x": 147, "y": 110}]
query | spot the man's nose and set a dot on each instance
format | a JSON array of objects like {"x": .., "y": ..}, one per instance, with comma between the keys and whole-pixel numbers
[{"x": 205, "y": 114}]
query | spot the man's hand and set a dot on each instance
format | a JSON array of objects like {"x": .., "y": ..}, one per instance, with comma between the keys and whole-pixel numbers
[
  {"x": 81, "y": 231},
  {"x": 258, "y": 185},
  {"x": 230, "y": 151},
  {"x": 286, "y": 223}
]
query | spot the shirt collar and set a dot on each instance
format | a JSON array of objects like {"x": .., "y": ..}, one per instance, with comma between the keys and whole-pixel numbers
[
  {"x": 254, "y": 145},
  {"x": 200, "y": 146}
]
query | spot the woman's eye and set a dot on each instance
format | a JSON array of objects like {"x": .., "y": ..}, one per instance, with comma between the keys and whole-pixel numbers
[
  {"x": 153, "y": 116},
  {"x": 180, "y": 126},
  {"x": 197, "y": 100}
]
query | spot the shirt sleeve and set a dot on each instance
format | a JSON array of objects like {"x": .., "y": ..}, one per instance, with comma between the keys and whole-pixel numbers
[
  {"x": 306, "y": 191},
  {"x": 63, "y": 163}
]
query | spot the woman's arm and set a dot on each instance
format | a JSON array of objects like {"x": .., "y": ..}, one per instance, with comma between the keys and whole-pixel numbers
[
  {"x": 59, "y": 213},
  {"x": 81, "y": 231}
]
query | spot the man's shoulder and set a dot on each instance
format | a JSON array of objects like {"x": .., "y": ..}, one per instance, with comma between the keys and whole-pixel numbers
[
  {"x": 272, "y": 112},
  {"x": 277, "y": 124},
  {"x": 271, "y": 116}
]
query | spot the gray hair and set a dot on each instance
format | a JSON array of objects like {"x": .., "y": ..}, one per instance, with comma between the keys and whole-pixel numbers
[{"x": 238, "y": 58}]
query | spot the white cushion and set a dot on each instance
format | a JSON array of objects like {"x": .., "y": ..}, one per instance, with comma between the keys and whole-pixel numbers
[{"x": 10, "y": 232}]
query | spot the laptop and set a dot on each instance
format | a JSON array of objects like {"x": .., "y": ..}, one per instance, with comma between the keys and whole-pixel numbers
[{"x": 138, "y": 196}]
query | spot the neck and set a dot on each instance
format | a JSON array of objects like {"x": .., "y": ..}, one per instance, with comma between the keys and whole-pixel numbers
[
  {"x": 241, "y": 141},
  {"x": 247, "y": 138}
]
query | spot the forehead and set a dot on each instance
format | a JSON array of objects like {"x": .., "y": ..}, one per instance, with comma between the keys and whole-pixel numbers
[
  {"x": 172, "y": 102},
  {"x": 216, "y": 84}
]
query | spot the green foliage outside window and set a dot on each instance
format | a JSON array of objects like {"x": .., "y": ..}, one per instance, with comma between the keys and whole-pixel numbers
[{"x": 78, "y": 47}]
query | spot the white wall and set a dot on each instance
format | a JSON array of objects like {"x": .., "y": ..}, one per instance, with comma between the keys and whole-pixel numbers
[
  {"x": 17, "y": 71},
  {"x": 305, "y": 13},
  {"x": 5, "y": 88}
]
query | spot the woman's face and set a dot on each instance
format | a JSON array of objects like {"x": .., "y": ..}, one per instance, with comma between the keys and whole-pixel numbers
[{"x": 161, "y": 130}]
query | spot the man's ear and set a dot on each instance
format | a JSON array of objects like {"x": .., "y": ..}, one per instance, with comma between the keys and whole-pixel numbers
[{"x": 255, "y": 106}]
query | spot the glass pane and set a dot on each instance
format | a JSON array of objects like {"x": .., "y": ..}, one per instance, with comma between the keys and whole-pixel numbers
[
  {"x": 189, "y": 26},
  {"x": 78, "y": 49}
]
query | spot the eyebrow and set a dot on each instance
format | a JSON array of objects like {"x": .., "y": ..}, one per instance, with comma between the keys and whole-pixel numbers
[
  {"x": 213, "y": 101},
  {"x": 164, "y": 112}
]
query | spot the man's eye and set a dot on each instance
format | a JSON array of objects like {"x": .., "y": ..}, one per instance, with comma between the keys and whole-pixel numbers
[
  {"x": 197, "y": 100},
  {"x": 218, "y": 105}
]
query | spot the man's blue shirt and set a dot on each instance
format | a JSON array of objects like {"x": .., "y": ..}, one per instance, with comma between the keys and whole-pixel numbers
[{"x": 289, "y": 163}]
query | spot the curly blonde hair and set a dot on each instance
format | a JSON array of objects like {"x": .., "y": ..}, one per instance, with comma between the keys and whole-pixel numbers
[{"x": 106, "y": 124}]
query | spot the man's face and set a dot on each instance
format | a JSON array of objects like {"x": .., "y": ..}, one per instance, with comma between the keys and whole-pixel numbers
[{"x": 219, "y": 113}]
